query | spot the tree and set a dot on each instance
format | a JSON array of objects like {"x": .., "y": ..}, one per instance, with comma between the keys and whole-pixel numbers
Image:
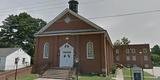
[
  {"x": 18, "y": 31},
  {"x": 123, "y": 41},
  {"x": 155, "y": 50},
  {"x": 117, "y": 43}
]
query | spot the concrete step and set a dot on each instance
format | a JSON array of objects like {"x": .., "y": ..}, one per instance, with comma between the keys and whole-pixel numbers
[{"x": 57, "y": 74}]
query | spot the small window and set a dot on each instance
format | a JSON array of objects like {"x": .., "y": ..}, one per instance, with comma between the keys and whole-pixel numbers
[
  {"x": 23, "y": 60},
  {"x": 117, "y": 58},
  {"x": 134, "y": 58},
  {"x": 146, "y": 65},
  {"x": 145, "y": 50},
  {"x": 128, "y": 58},
  {"x": 90, "y": 50},
  {"x": 145, "y": 58},
  {"x": 133, "y": 50},
  {"x": 127, "y": 51},
  {"x": 117, "y": 51},
  {"x": 46, "y": 50}
]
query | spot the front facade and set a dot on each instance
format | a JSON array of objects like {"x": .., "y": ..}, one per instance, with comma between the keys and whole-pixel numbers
[
  {"x": 8, "y": 57},
  {"x": 71, "y": 37},
  {"x": 133, "y": 55}
]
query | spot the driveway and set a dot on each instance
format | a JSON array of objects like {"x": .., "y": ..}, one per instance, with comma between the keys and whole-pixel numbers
[
  {"x": 47, "y": 79},
  {"x": 155, "y": 71}
]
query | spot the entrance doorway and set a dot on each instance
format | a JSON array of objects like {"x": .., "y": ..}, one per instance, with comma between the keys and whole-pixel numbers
[{"x": 66, "y": 56}]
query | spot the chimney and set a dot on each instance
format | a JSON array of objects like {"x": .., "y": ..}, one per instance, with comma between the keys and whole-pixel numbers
[{"x": 73, "y": 5}]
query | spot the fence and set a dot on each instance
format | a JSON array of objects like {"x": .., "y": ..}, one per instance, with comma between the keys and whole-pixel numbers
[{"x": 10, "y": 75}]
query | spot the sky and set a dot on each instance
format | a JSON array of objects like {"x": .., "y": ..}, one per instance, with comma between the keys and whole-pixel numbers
[{"x": 110, "y": 14}]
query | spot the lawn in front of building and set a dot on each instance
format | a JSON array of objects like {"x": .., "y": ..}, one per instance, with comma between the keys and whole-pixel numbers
[
  {"x": 94, "y": 77},
  {"x": 127, "y": 75},
  {"x": 28, "y": 77}
]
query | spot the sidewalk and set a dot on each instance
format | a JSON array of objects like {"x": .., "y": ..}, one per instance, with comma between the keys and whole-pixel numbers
[
  {"x": 155, "y": 71},
  {"x": 119, "y": 75}
]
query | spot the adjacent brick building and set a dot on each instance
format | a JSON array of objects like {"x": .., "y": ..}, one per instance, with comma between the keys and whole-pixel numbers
[{"x": 134, "y": 55}]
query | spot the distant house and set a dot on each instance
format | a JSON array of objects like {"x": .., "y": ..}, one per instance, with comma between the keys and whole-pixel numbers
[
  {"x": 9, "y": 55},
  {"x": 133, "y": 55}
]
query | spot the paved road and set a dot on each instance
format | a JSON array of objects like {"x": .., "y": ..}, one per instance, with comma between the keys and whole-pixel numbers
[
  {"x": 119, "y": 75},
  {"x": 47, "y": 79},
  {"x": 155, "y": 71}
]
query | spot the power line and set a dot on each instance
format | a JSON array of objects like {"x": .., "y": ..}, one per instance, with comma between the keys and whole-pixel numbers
[
  {"x": 29, "y": 7},
  {"x": 127, "y": 14},
  {"x": 40, "y": 5}
]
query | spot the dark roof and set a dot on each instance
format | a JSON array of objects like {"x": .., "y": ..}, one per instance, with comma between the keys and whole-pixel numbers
[{"x": 7, "y": 51}]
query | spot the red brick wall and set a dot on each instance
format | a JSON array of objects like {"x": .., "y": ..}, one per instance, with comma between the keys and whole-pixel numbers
[
  {"x": 79, "y": 44},
  {"x": 139, "y": 57},
  {"x": 75, "y": 24},
  {"x": 10, "y": 75}
]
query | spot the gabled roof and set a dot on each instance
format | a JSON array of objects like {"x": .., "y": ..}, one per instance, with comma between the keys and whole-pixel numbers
[
  {"x": 74, "y": 14},
  {"x": 7, "y": 51},
  {"x": 98, "y": 28}
]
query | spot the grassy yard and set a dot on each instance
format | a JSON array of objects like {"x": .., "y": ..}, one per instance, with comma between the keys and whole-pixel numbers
[
  {"x": 93, "y": 77},
  {"x": 28, "y": 77},
  {"x": 127, "y": 75}
]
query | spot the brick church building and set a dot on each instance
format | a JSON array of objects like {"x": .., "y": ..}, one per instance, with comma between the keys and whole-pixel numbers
[{"x": 70, "y": 37}]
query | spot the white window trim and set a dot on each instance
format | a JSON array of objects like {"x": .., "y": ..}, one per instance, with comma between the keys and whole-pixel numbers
[
  {"x": 134, "y": 58},
  {"x": 117, "y": 58},
  {"x": 87, "y": 50},
  {"x": 117, "y": 51},
  {"x": 145, "y": 50},
  {"x": 146, "y": 65},
  {"x": 44, "y": 49},
  {"x": 133, "y": 50},
  {"x": 145, "y": 58},
  {"x": 127, "y": 51},
  {"x": 128, "y": 58}
]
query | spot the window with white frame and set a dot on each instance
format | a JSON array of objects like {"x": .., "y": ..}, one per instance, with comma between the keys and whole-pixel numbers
[
  {"x": 23, "y": 60},
  {"x": 144, "y": 50},
  {"x": 128, "y": 58},
  {"x": 46, "y": 50},
  {"x": 146, "y": 65},
  {"x": 117, "y": 58},
  {"x": 134, "y": 58},
  {"x": 117, "y": 51},
  {"x": 133, "y": 50},
  {"x": 127, "y": 51},
  {"x": 90, "y": 50},
  {"x": 145, "y": 58}
]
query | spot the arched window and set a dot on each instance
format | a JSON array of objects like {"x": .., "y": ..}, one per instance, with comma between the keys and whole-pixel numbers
[
  {"x": 90, "y": 50},
  {"x": 46, "y": 50}
]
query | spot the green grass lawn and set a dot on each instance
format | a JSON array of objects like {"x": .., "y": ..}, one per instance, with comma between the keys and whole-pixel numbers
[
  {"x": 28, "y": 77},
  {"x": 127, "y": 75},
  {"x": 93, "y": 77}
]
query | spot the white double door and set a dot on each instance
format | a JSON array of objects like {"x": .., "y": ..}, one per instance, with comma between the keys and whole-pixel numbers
[{"x": 66, "y": 56}]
